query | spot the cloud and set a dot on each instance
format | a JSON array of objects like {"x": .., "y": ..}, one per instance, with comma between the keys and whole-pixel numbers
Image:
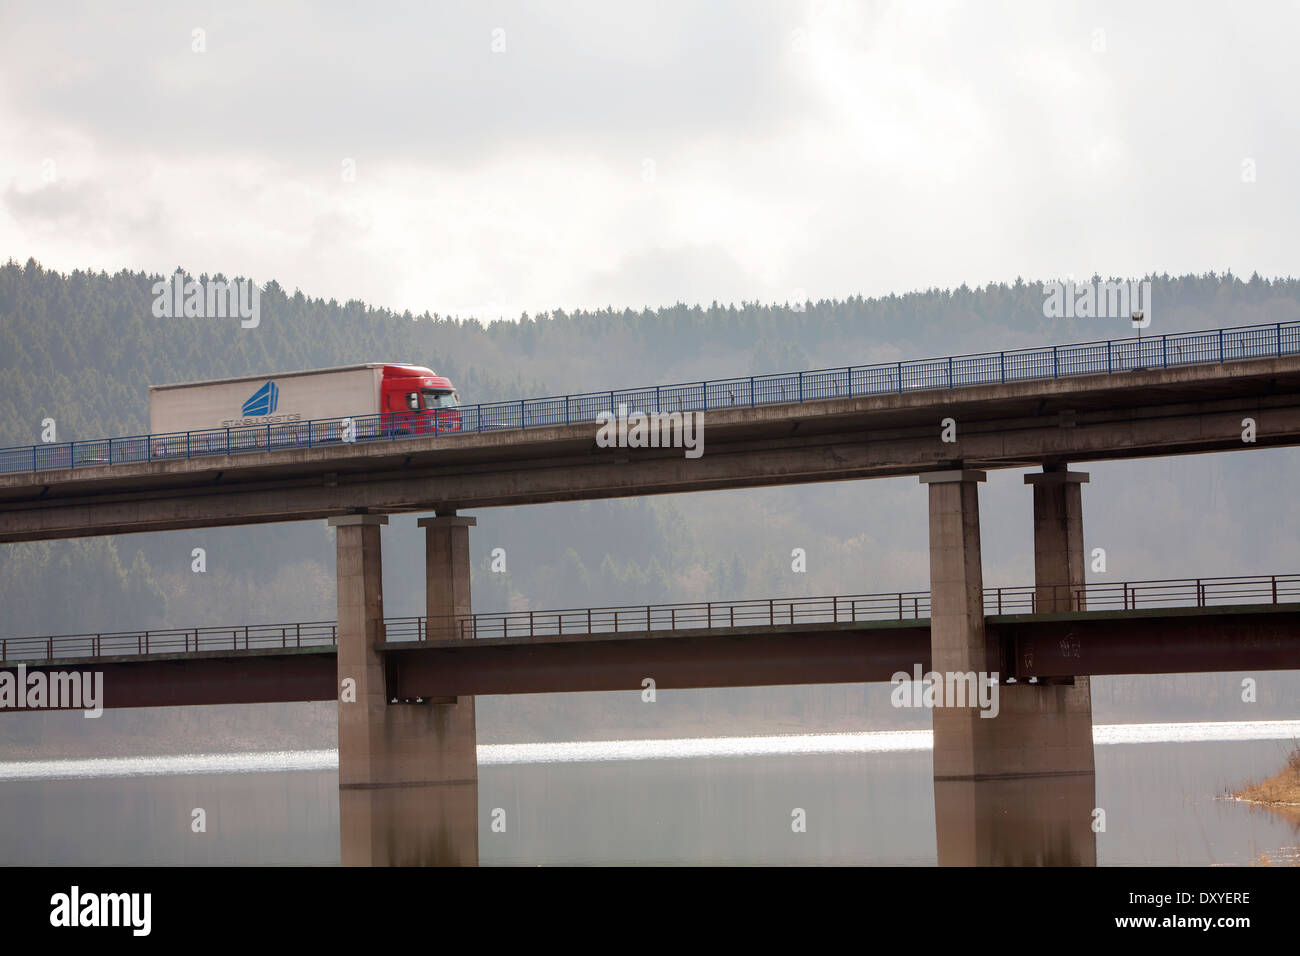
[{"x": 639, "y": 155}]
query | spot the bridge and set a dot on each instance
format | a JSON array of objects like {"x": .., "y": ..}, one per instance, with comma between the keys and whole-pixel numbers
[
  {"x": 985, "y": 368},
  {"x": 1167, "y": 395},
  {"x": 407, "y": 757},
  {"x": 1138, "y": 627}
]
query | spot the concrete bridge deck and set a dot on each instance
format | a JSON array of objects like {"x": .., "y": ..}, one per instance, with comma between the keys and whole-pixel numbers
[
  {"x": 1143, "y": 627},
  {"x": 1135, "y": 414}
]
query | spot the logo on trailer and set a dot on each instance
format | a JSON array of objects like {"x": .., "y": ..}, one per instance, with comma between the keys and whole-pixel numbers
[{"x": 264, "y": 400}]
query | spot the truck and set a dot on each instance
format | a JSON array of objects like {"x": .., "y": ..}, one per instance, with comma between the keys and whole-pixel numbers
[{"x": 377, "y": 399}]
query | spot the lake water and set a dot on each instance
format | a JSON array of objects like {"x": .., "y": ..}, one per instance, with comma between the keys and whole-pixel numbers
[{"x": 867, "y": 797}]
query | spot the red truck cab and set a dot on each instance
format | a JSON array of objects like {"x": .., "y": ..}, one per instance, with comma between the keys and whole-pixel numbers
[{"x": 414, "y": 401}]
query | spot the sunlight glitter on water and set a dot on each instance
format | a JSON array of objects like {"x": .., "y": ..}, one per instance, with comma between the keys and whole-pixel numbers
[{"x": 616, "y": 750}]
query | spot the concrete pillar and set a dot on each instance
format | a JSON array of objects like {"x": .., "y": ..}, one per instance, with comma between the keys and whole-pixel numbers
[
  {"x": 1016, "y": 787},
  {"x": 1058, "y": 540},
  {"x": 408, "y": 772},
  {"x": 1062, "y": 710},
  {"x": 957, "y": 638},
  {"x": 447, "y": 610},
  {"x": 446, "y": 575}
]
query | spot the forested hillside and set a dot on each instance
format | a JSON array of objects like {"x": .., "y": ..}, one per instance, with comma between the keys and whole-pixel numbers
[{"x": 82, "y": 349}]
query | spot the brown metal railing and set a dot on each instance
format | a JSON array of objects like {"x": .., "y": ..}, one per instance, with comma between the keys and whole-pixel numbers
[
  {"x": 645, "y": 618},
  {"x": 649, "y": 618}
]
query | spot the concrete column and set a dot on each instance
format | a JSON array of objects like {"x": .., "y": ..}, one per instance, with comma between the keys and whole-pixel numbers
[
  {"x": 1059, "y": 578},
  {"x": 1063, "y": 710},
  {"x": 957, "y": 638},
  {"x": 1058, "y": 540},
  {"x": 446, "y": 575},
  {"x": 408, "y": 773},
  {"x": 447, "y": 610},
  {"x": 1017, "y": 787}
]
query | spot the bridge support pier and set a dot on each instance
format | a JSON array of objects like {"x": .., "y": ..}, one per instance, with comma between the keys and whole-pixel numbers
[
  {"x": 408, "y": 771},
  {"x": 1018, "y": 787}
]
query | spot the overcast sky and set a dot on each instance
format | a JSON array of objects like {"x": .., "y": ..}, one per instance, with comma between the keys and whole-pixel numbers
[{"x": 487, "y": 158}]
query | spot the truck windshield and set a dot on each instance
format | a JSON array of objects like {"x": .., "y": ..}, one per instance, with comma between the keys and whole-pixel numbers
[{"x": 439, "y": 399}]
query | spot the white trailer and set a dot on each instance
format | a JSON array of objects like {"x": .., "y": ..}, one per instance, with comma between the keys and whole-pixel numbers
[{"x": 345, "y": 391}]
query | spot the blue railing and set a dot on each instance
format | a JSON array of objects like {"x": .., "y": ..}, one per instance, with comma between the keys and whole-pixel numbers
[{"x": 984, "y": 368}]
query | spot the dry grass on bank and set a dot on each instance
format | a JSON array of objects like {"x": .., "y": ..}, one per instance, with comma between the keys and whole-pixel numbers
[{"x": 1280, "y": 790}]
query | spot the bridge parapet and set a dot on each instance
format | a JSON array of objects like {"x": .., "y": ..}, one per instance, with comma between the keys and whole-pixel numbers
[{"x": 577, "y": 623}]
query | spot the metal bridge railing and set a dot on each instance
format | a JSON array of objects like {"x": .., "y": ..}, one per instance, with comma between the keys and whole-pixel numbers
[
  {"x": 645, "y": 618},
  {"x": 650, "y": 618},
  {"x": 1196, "y": 592},
  {"x": 243, "y": 637},
  {"x": 985, "y": 368}
]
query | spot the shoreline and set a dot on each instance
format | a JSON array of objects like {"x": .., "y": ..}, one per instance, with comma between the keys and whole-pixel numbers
[{"x": 1280, "y": 791}]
